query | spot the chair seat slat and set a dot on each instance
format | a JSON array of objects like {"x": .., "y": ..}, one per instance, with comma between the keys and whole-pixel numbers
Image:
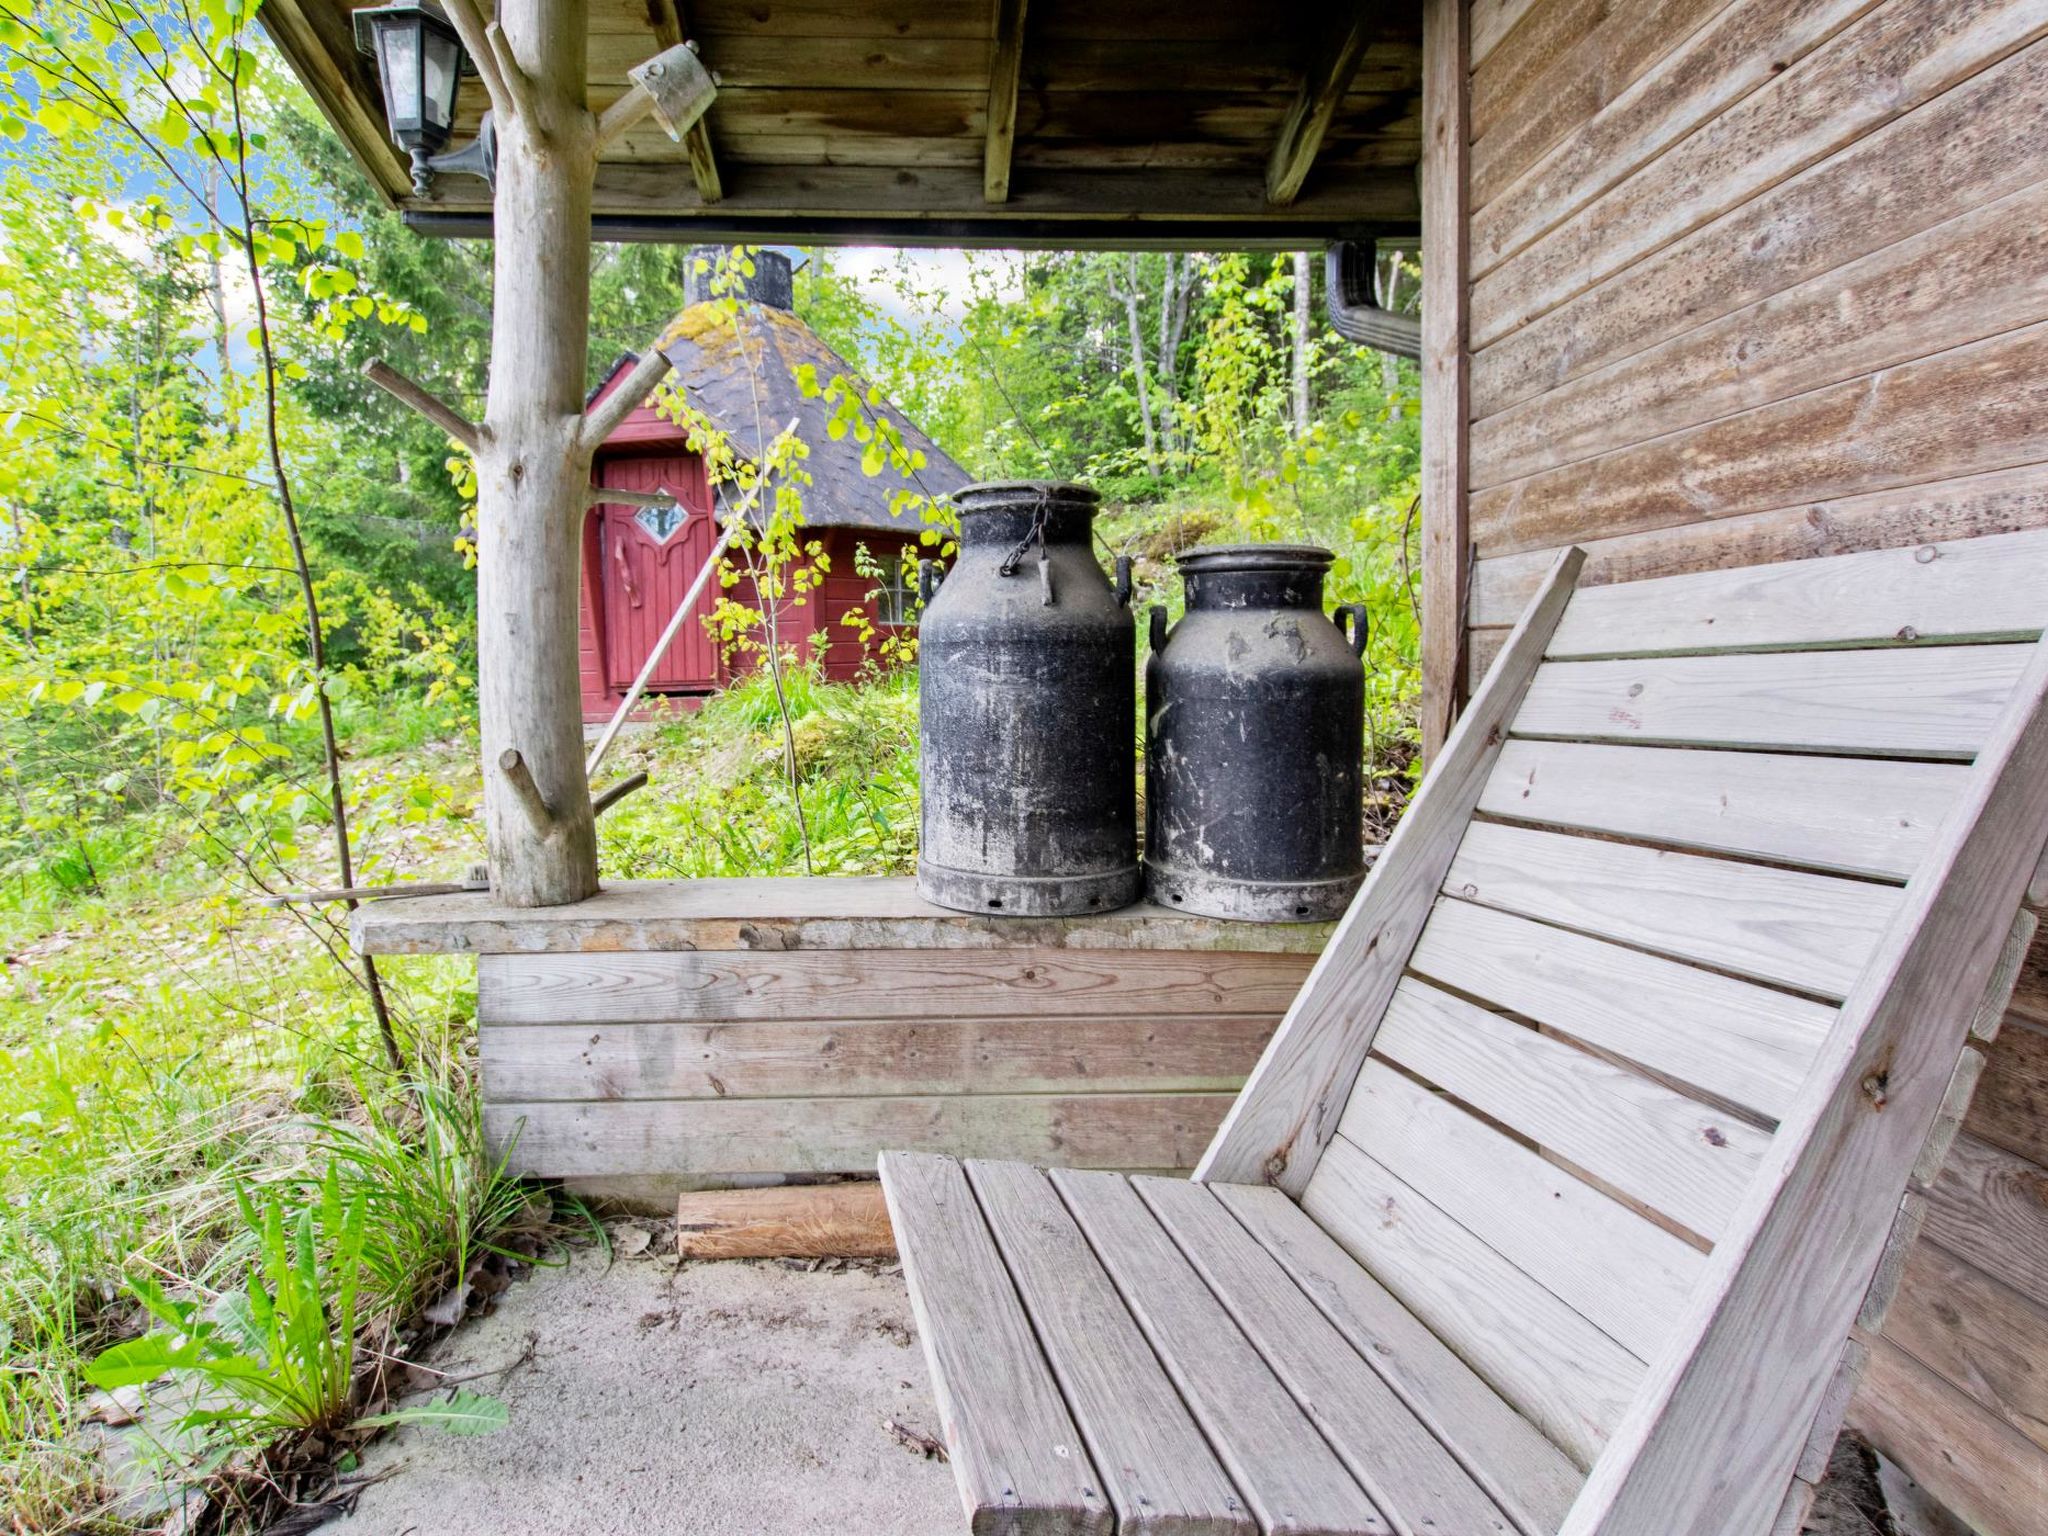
[
  {"x": 1157, "y": 1469},
  {"x": 1407, "y": 1471},
  {"x": 1013, "y": 1445},
  {"x": 1287, "y": 1473},
  {"x": 1529, "y": 1478}
]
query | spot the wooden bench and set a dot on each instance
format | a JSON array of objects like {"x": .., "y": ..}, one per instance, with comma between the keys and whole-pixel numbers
[{"x": 1584, "y": 1160}]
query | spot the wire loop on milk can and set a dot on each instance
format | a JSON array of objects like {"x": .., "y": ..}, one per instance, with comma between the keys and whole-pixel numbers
[
  {"x": 1255, "y": 740},
  {"x": 1026, "y": 697}
]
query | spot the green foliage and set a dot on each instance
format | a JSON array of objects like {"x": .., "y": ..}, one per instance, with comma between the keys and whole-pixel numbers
[
  {"x": 278, "y": 1355},
  {"x": 725, "y": 805}
]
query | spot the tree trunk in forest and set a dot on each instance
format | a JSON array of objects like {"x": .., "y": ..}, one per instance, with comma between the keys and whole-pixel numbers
[
  {"x": 1175, "y": 288},
  {"x": 533, "y": 472},
  {"x": 1387, "y": 282},
  {"x": 1302, "y": 282},
  {"x": 1133, "y": 286}
]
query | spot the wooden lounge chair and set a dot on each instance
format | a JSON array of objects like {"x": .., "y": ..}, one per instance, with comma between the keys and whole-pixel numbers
[{"x": 1560, "y": 1199}]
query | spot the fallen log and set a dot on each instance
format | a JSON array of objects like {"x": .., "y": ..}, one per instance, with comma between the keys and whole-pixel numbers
[{"x": 793, "y": 1221}]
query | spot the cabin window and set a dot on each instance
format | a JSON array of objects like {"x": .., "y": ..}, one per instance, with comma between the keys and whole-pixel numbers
[
  {"x": 661, "y": 522},
  {"x": 894, "y": 596}
]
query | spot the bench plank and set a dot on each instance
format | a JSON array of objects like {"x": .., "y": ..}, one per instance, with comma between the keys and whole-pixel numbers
[
  {"x": 1742, "y": 1043},
  {"x": 1158, "y": 1470},
  {"x": 1813, "y": 932},
  {"x": 1673, "y": 1154},
  {"x": 1392, "y": 1453},
  {"x": 1627, "y": 1276},
  {"x": 1291, "y": 1478},
  {"x": 681, "y": 986},
  {"x": 1844, "y": 815},
  {"x": 1016, "y": 1454},
  {"x": 1527, "y": 1476},
  {"x": 1940, "y": 701},
  {"x": 1570, "y": 1379}
]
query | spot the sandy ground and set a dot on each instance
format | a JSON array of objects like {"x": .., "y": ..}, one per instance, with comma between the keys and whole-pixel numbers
[{"x": 733, "y": 1399}]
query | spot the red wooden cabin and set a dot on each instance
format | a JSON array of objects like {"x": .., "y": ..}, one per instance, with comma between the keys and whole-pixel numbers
[{"x": 639, "y": 561}]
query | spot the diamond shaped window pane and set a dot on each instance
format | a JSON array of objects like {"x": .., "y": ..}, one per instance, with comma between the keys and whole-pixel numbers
[{"x": 661, "y": 522}]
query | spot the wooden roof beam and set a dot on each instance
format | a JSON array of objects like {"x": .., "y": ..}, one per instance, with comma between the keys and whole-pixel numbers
[
  {"x": 1005, "y": 64},
  {"x": 667, "y": 20},
  {"x": 1330, "y": 72}
]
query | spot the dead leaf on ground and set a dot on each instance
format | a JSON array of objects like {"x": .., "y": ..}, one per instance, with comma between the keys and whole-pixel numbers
[
  {"x": 630, "y": 1242},
  {"x": 450, "y": 1307},
  {"x": 930, "y": 1448}
]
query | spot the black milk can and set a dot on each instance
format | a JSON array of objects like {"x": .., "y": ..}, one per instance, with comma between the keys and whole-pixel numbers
[
  {"x": 1255, "y": 740},
  {"x": 1027, "y": 703}
]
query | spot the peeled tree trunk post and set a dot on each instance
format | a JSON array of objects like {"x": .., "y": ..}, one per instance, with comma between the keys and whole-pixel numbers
[
  {"x": 534, "y": 446},
  {"x": 533, "y": 471}
]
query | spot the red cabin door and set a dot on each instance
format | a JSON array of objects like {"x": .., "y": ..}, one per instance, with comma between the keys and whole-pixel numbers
[{"x": 649, "y": 557}]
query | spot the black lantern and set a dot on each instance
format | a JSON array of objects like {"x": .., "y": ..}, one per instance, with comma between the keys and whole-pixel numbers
[{"x": 420, "y": 61}]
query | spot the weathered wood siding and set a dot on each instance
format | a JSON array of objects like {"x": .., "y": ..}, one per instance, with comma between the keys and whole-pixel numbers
[
  {"x": 678, "y": 1032},
  {"x": 1760, "y": 280}
]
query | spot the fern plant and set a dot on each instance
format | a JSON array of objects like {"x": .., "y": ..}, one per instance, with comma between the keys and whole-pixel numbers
[{"x": 278, "y": 1356}]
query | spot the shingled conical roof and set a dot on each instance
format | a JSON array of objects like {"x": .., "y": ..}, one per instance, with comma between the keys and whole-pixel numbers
[{"x": 740, "y": 368}]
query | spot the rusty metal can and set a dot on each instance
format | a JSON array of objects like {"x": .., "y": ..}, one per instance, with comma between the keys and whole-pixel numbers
[
  {"x": 1027, "y": 703},
  {"x": 1255, "y": 740}
]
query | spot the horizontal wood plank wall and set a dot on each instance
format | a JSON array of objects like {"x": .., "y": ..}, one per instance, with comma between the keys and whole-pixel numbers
[
  {"x": 693, "y": 1065},
  {"x": 1762, "y": 280}
]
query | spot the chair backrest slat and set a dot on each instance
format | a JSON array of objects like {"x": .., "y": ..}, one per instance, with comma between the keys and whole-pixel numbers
[
  {"x": 1566, "y": 1376},
  {"x": 1725, "y": 1039},
  {"x": 1613, "y": 1112},
  {"x": 1617, "y": 1270},
  {"x": 1939, "y": 702},
  {"x": 1842, "y": 815},
  {"x": 1809, "y": 932},
  {"x": 1969, "y": 590},
  {"x": 1671, "y": 1154}
]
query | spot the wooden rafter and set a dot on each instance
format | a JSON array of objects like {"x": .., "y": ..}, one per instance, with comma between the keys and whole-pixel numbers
[
  {"x": 1005, "y": 64},
  {"x": 1330, "y": 72},
  {"x": 317, "y": 41},
  {"x": 666, "y": 18}
]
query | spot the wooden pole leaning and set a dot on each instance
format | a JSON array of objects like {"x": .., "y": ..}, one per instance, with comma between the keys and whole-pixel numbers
[{"x": 733, "y": 523}]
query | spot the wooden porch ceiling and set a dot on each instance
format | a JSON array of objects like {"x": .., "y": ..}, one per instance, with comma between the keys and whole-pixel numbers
[{"x": 967, "y": 122}]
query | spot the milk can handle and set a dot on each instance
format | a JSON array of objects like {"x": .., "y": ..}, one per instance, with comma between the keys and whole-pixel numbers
[
  {"x": 1123, "y": 581},
  {"x": 929, "y": 575},
  {"x": 1158, "y": 629},
  {"x": 1356, "y": 630}
]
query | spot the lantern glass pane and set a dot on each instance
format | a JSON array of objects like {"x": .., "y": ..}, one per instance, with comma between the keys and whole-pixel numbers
[
  {"x": 440, "y": 75},
  {"x": 398, "y": 62}
]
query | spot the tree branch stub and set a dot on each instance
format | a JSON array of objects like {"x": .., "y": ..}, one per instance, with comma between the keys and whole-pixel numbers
[
  {"x": 420, "y": 399},
  {"x": 610, "y": 413},
  {"x": 539, "y": 815},
  {"x": 601, "y": 803},
  {"x": 469, "y": 26}
]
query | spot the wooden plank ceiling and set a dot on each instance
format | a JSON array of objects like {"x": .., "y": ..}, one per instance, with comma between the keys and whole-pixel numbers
[{"x": 990, "y": 122}]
